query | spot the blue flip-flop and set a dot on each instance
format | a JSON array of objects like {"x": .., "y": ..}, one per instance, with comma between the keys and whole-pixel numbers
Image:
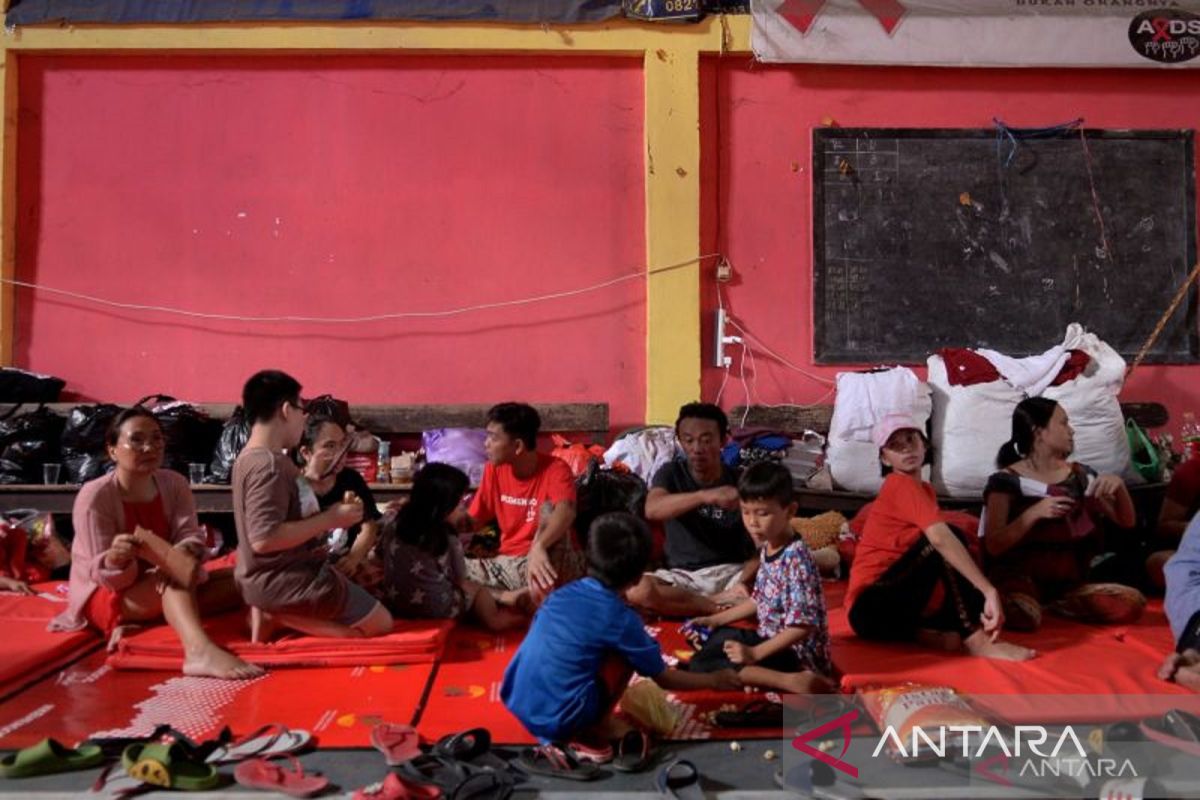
[{"x": 680, "y": 779}]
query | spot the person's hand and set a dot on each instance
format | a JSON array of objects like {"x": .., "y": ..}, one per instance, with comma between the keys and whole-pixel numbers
[
  {"x": 395, "y": 505},
  {"x": 739, "y": 653},
  {"x": 705, "y": 622},
  {"x": 347, "y": 513},
  {"x": 725, "y": 497},
  {"x": 1105, "y": 488},
  {"x": 993, "y": 613},
  {"x": 1052, "y": 507},
  {"x": 540, "y": 572},
  {"x": 727, "y": 680},
  {"x": 121, "y": 552},
  {"x": 149, "y": 545},
  {"x": 14, "y": 585},
  {"x": 348, "y": 565}
]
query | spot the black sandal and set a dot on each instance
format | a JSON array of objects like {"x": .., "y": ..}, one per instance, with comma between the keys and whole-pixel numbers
[
  {"x": 556, "y": 762},
  {"x": 756, "y": 714},
  {"x": 633, "y": 752}
]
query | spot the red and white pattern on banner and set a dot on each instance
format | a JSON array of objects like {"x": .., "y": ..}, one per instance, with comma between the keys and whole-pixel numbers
[{"x": 979, "y": 33}]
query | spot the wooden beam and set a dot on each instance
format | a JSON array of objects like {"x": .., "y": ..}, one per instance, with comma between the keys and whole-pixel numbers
[{"x": 672, "y": 232}]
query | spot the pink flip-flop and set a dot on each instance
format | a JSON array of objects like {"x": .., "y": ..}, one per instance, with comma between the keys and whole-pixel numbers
[
  {"x": 261, "y": 773},
  {"x": 393, "y": 787},
  {"x": 398, "y": 743}
]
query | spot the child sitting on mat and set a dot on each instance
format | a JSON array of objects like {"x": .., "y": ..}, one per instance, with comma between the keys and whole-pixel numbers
[
  {"x": 789, "y": 650},
  {"x": 423, "y": 566},
  {"x": 281, "y": 569},
  {"x": 583, "y": 647}
]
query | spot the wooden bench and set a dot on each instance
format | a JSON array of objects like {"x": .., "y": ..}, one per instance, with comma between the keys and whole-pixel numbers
[{"x": 388, "y": 421}]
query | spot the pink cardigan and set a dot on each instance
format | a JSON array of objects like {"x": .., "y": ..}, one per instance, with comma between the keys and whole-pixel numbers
[{"x": 97, "y": 517}]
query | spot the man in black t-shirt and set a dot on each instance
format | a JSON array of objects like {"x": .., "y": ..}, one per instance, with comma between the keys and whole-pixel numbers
[{"x": 710, "y": 559}]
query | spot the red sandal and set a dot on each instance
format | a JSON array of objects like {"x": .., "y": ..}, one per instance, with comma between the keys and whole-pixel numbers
[{"x": 262, "y": 773}]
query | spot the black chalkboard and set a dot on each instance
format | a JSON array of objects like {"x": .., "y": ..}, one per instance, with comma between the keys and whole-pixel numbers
[{"x": 930, "y": 238}]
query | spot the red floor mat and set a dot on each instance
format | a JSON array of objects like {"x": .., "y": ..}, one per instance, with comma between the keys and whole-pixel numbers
[
  {"x": 466, "y": 690},
  {"x": 339, "y": 705},
  {"x": 27, "y": 650},
  {"x": 1111, "y": 669},
  {"x": 411, "y": 642}
]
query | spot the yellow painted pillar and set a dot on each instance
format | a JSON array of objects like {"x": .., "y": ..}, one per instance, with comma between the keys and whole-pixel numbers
[
  {"x": 8, "y": 205},
  {"x": 672, "y": 128}
]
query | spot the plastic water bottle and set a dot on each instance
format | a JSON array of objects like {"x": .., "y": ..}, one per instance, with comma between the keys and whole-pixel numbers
[{"x": 1189, "y": 436}]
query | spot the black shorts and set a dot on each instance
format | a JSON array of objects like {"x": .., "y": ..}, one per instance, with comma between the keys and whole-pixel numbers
[{"x": 711, "y": 657}]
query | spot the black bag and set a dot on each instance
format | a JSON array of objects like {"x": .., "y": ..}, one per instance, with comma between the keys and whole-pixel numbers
[
  {"x": 27, "y": 441},
  {"x": 84, "y": 453},
  {"x": 19, "y": 386},
  {"x": 190, "y": 433},
  {"x": 599, "y": 491},
  {"x": 232, "y": 439}
]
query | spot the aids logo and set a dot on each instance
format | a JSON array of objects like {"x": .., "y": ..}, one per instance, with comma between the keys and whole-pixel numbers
[{"x": 1167, "y": 35}]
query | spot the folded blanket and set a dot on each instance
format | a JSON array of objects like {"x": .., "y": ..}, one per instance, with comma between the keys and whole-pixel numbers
[{"x": 410, "y": 642}]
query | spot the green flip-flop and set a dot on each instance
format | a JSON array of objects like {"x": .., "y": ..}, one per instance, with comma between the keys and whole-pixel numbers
[
  {"x": 168, "y": 765},
  {"x": 47, "y": 757}
]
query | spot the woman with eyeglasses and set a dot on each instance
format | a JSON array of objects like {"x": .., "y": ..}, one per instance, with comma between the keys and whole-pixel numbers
[
  {"x": 137, "y": 553},
  {"x": 324, "y": 481}
]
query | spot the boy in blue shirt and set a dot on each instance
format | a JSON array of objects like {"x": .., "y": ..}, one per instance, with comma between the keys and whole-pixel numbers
[
  {"x": 582, "y": 648},
  {"x": 789, "y": 651}
]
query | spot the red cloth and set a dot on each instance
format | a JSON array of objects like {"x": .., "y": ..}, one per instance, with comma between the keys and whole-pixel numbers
[
  {"x": 1184, "y": 488},
  {"x": 965, "y": 367},
  {"x": 1077, "y": 362},
  {"x": 514, "y": 503},
  {"x": 103, "y": 610},
  {"x": 904, "y": 509},
  {"x": 410, "y": 642}
]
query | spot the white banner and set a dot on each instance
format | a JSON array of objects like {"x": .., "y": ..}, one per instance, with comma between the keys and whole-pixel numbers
[{"x": 979, "y": 33}]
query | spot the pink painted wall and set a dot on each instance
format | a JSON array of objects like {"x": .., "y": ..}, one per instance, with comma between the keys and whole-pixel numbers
[
  {"x": 334, "y": 187},
  {"x": 757, "y": 184}
]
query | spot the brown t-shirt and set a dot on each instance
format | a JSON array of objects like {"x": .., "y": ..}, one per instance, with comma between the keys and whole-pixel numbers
[{"x": 299, "y": 580}]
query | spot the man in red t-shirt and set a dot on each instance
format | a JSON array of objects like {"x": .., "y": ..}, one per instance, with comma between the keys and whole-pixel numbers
[{"x": 531, "y": 497}]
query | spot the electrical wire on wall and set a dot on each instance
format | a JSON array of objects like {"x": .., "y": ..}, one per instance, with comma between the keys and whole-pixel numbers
[{"x": 746, "y": 342}]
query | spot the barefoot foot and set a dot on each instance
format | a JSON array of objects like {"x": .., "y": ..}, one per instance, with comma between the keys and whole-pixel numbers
[
  {"x": 213, "y": 662},
  {"x": 980, "y": 644}
]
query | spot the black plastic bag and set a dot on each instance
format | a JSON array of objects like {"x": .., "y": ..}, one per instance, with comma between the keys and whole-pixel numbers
[
  {"x": 27, "y": 441},
  {"x": 190, "y": 433},
  {"x": 599, "y": 491},
  {"x": 231, "y": 441},
  {"x": 19, "y": 386},
  {"x": 84, "y": 453}
]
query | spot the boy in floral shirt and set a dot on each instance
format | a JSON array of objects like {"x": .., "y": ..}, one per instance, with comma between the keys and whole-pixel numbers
[{"x": 789, "y": 651}]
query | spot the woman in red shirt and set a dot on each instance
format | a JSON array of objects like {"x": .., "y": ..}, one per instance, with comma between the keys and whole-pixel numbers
[
  {"x": 136, "y": 556},
  {"x": 912, "y": 577}
]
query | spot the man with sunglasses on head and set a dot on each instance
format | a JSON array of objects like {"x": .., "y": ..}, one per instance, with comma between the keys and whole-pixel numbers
[{"x": 281, "y": 570}]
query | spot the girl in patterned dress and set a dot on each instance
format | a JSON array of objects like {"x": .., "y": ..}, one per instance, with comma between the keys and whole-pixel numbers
[{"x": 424, "y": 573}]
